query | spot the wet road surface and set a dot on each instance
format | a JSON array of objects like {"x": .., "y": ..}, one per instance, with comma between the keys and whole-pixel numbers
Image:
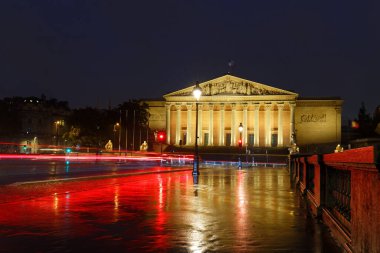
[
  {"x": 21, "y": 170},
  {"x": 251, "y": 210}
]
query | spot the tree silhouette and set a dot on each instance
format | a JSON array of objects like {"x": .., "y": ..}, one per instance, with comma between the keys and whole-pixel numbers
[
  {"x": 93, "y": 127},
  {"x": 366, "y": 124},
  {"x": 134, "y": 123}
]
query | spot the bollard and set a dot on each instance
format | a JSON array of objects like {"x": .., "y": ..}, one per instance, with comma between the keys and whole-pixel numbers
[{"x": 239, "y": 164}]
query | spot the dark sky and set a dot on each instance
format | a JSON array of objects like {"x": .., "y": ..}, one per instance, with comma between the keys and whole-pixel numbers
[{"x": 92, "y": 53}]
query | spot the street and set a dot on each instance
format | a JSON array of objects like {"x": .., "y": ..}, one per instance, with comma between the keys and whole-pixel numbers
[{"x": 229, "y": 210}]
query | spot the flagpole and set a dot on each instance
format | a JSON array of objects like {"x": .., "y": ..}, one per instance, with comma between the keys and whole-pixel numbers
[
  {"x": 133, "y": 132},
  {"x": 120, "y": 133},
  {"x": 126, "y": 131}
]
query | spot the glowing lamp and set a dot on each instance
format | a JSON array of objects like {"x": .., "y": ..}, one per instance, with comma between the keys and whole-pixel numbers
[
  {"x": 197, "y": 92},
  {"x": 241, "y": 127}
]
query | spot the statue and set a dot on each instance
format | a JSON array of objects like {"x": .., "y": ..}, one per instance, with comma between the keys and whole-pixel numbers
[
  {"x": 34, "y": 149},
  {"x": 293, "y": 138},
  {"x": 294, "y": 149},
  {"x": 109, "y": 146},
  {"x": 338, "y": 148},
  {"x": 144, "y": 146}
]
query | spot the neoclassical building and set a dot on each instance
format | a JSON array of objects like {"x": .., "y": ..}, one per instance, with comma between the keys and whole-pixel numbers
[{"x": 270, "y": 117}]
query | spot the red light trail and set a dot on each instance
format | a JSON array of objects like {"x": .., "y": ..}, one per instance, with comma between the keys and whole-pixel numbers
[{"x": 92, "y": 157}]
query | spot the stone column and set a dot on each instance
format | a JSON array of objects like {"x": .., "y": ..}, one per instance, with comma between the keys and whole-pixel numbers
[
  {"x": 211, "y": 125},
  {"x": 178, "y": 125},
  {"x": 292, "y": 130},
  {"x": 200, "y": 128},
  {"x": 268, "y": 127},
  {"x": 280, "y": 136},
  {"x": 188, "y": 132},
  {"x": 245, "y": 124},
  {"x": 233, "y": 125},
  {"x": 256, "y": 126},
  {"x": 221, "y": 130},
  {"x": 168, "y": 106}
]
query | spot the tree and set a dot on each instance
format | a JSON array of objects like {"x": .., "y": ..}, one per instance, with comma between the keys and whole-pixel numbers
[
  {"x": 72, "y": 136},
  {"x": 88, "y": 127},
  {"x": 134, "y": 120},
  {"x": 376, "y": 120},
  {"x": 10, "y": 120},
  {"x": 93, "y": 127},
  {"x": 366, "y": 124}
]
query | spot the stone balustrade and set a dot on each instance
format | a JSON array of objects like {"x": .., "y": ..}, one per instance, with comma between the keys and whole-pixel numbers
[{"x": 343, "y": 190}]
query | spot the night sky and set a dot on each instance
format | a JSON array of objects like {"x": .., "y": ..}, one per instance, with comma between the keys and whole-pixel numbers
[{"x": 96, "y": 53}]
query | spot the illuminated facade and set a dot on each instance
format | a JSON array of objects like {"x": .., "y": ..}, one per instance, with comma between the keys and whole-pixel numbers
[{"x": 271, "y": 117}]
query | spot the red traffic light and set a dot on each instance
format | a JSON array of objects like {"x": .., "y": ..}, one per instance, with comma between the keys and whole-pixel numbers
[
  {"x": 161, "y": 136},
  {"x": 354, "y": 124},
  {"x": 240, "y": 142}
]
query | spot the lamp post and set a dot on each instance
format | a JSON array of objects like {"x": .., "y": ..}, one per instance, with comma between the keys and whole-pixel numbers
[
  {"x": 115, "y": 128},
  {"x": 240, "y": 144},
  {"x": 58, "y": 123},
  {"x": 197, "y": 92}
]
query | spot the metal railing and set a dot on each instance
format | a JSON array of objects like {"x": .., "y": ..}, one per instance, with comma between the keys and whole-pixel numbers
[{"x": 338, "y": 193}]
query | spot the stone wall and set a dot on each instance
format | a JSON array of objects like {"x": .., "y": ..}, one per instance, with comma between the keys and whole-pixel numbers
[
  {"x": 318, "y": 121},
  {"x": 157, "y": 119}
]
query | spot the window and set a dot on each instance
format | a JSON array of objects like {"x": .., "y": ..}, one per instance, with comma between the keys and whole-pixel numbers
[
  {"x": 274, "y": 140},
  {"x": 251, "y": 139},
  {"x": 228, "y": 139},
  {"x": 205, "y": 139}
]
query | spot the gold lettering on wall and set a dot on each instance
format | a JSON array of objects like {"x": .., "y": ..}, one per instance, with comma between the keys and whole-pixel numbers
[{"x": 306, "y": 118}]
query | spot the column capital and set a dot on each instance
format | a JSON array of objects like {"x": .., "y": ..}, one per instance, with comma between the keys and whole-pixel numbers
[
  {"x": 245, "y": 106},
  {"x": 211, "y": 106},
  {"x": 189, "y": 106},
  {"x": 222, "y": 106},
  {"x": 233, "y": 106},
  {"x": 256, "y": 106},
  {"x": 280, "y": 106},
  {"x": 268, "y": 106},
  {"x": 178, "y": 106},
  {"x": 200, "y": 106}
]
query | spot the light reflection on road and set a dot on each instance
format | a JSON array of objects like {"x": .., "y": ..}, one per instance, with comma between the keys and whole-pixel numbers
[{"x": 252, "y": 210}]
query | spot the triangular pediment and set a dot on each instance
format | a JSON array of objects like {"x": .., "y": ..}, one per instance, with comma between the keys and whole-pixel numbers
[{"x": 229, "y": 85}]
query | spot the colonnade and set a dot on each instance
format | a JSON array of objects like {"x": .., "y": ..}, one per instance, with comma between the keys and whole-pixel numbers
[{"x": 265, "y": 124}]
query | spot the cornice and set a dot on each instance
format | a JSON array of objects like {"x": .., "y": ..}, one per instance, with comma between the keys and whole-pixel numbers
[{"x": 229, "y": 99}]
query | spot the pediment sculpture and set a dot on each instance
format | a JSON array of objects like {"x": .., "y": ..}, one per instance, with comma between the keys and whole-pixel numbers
[
  {"x": 235, "y": 88},
  {"x": 229, "y": 85}
]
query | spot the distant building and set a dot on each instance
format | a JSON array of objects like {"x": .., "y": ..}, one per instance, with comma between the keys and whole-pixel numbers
[
  {"x": 39, "y": 121},
  {"x": 270, "y": 117}
]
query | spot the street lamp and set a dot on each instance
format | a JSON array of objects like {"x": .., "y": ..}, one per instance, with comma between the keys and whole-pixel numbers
[
  {"x": 58, "y": 123},
  {"x": 115, "y": 128},
  {"x": 240, "y": 144},
  {"x": 119, "y": 139},
  {"x": 197, "y": 92}
]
